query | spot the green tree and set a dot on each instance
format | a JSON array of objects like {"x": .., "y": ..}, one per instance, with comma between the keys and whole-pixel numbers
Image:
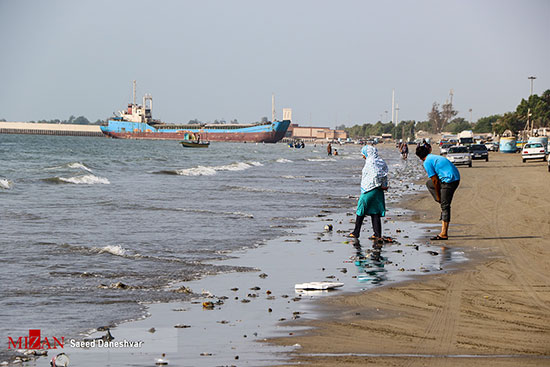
[
  {"x": 81, "y": 120},
  {"x": 485, "y": 124},
  {"x": 457, "y": 125},
  {"x": 425, "y": 126},
  {"x": 538, "y": 106},
  {"x": 509, "y": 121}
]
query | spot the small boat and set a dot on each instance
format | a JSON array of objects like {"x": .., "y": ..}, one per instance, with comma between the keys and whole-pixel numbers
[{"x": 194, "y": 144}]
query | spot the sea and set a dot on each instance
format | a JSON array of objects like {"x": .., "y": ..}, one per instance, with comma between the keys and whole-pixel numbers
[{"x": 82, "y": 217}]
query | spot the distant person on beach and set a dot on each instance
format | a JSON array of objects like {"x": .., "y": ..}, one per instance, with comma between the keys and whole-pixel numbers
[
  {"x": 374, "y": 182},
  {"x": 329, "y": 149},
  {"x": 443, "y": 182},
  {"x": 404, "y": 150}
]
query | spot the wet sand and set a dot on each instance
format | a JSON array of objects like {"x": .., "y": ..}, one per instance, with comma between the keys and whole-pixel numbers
[{"x": 493, "y": 311}]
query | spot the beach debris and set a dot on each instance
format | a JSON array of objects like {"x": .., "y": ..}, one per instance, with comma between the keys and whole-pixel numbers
[
  {"x": 162, "y": 361},
  {"x": 35, "y": 352},
  {"x": 398, "y": 230},
  {"x": 263, "y": 275},
  {"x": 207, "y": 294},
  {"x": 208, "y": 305},
  {"x": 204, "y": 354},
  {"x": 398, "y": 251},
  {"x": 234, "y": 289},
  {"x": 179, "y": 309},
  {"x": 401, "y": 269},
  {"x": 269, "y": 310},
  {"x": 182, "y": 326},
  {"x": 284, "y": 296},
  {"x": 296, "y": 299},
  {"x": 433, "y": 253},
  {"x": 256, "y": 288},
  {"x": 328, "y": 227},
  {"x": 295, "y": 240},
  {"x": 152, "y": 330},
  {"x": 223, "y": 297},
  {"x": 318, "y": 285},
  {"x": 330, "y": 276},
  {"x": 223, "y": 322},
  {"x": 118, "y": 285},
  {"x": 344, "y": 270},
  {"x": 252, "y": 295},
  {"x": 244, "y": 300},
  {"x": 321, "y": 215},
  {"x": 282, "y": 319},
  {"x": 270, "y": 297},
  {"x": 236, "y": 357},
  {"x": 183, "y": 289}
]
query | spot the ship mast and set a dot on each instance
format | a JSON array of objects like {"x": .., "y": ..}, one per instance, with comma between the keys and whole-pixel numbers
[
  {"x": 273, "y": 107},
  {"x": 134, "y": 92}
]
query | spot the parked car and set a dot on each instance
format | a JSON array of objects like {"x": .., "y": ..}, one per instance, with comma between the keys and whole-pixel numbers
[
  {"x": 479, "y": 151},
  {"x": 459, "y": 155},
  {"x": 445, "y": 148},
  {"x": 533, "y": 151},
  {"x": 491, "y": 146}
]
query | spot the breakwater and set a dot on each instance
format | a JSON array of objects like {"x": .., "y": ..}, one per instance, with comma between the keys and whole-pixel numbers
[{"x": 49, "y": 129}]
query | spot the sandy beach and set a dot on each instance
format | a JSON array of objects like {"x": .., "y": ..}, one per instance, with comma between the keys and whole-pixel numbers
[{"x": 494, "y": 311}]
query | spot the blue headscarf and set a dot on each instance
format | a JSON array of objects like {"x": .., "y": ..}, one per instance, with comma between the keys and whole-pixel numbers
[{"x": 375, "y": 170}]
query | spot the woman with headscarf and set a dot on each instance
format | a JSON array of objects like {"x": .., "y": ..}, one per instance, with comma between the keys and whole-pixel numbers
[{"x": 374, "y": 182}]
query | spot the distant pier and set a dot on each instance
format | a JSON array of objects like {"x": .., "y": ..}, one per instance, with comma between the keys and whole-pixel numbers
[{"x": 49, "y": 129}]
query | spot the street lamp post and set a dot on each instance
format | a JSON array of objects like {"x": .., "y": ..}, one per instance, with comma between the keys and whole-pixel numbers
[{"x": 531, "y": 78}]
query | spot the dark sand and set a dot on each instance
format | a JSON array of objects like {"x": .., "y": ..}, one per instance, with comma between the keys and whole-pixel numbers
[{"x": 496, "y": 307}]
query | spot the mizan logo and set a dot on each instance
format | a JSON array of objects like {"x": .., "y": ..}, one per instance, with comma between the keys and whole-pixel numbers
[{"x": 35, "y": 341}]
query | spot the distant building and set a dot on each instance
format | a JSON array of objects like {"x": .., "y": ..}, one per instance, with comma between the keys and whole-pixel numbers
[{"x": 309, "y": 133}]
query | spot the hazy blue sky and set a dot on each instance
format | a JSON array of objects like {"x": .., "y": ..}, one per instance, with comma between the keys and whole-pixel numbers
[{"x": 330, "y": 61}]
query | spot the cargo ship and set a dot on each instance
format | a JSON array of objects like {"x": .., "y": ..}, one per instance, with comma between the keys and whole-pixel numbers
[{"x": 137, "y": 122}]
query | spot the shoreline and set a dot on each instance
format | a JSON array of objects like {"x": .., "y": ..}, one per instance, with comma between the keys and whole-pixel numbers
[
  {"x": 223, "y": 333},
  {"x": 495, "y": 308}
]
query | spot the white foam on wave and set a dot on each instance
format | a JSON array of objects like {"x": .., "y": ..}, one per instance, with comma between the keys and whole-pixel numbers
[
  {"x": 210, "y": 171},
  {"x": 79, "y": 166},
  {"x": 5, "y": 184},
  {"x": 114, "y": 250},
  {"x": 85, "y": 180},
  {"x": 283, "y": 160},
  {"x": 321, "y": 159},
  {"x": 197, "y": 171}
]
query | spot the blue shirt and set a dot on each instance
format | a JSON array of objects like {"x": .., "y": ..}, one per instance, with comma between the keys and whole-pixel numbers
[{"x": 442, "y": 167}]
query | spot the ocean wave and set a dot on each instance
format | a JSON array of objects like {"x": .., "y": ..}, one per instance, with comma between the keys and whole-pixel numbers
[
  {"x": 211, "y": 170},
  {"x": 79, "y": 180},
  {"x": 5, "y": 184},
  {"x": 114, "y": 250},
  {"x": 283, "y": 160},
  {"x": 321, "y": 159},
  {"x": 74, "y": 165}
]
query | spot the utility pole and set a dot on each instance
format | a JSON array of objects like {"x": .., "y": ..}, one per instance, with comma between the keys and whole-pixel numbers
[
  {"x": 397, "y": 113},
  {"x": 392, "y": 104},
  {"x": 135, "y": 93},
  {"x": 532, "y": 79}
]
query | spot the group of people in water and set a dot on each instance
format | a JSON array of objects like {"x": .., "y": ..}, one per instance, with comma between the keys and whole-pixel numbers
[{"x": 443, "y": 181}]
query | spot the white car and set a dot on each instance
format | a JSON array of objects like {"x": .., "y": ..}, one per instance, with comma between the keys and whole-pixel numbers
[
  {"x": 533, "y": 151},
  {"x": 444, "y": 149},
  {"x": 459, "y": 155}
]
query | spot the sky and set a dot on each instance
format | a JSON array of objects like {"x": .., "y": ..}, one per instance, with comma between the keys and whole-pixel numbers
[{"x": 332, "y": 62}]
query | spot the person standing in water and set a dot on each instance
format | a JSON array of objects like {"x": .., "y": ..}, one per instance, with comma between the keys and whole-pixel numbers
[
  {"x": 443, "y": 182},
  {"x": 329, "y": 149},
  {"x": 374, "y": 182}
]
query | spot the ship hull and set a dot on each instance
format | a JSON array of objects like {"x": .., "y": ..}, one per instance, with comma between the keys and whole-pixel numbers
[{"x": 270, "y": 133}]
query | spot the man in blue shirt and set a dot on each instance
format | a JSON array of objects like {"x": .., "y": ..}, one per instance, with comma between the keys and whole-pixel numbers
[{"x": 443, "y": 182}]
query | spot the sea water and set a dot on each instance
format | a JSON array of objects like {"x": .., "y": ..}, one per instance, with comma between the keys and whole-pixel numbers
[{"x": 82, "y": 217}]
